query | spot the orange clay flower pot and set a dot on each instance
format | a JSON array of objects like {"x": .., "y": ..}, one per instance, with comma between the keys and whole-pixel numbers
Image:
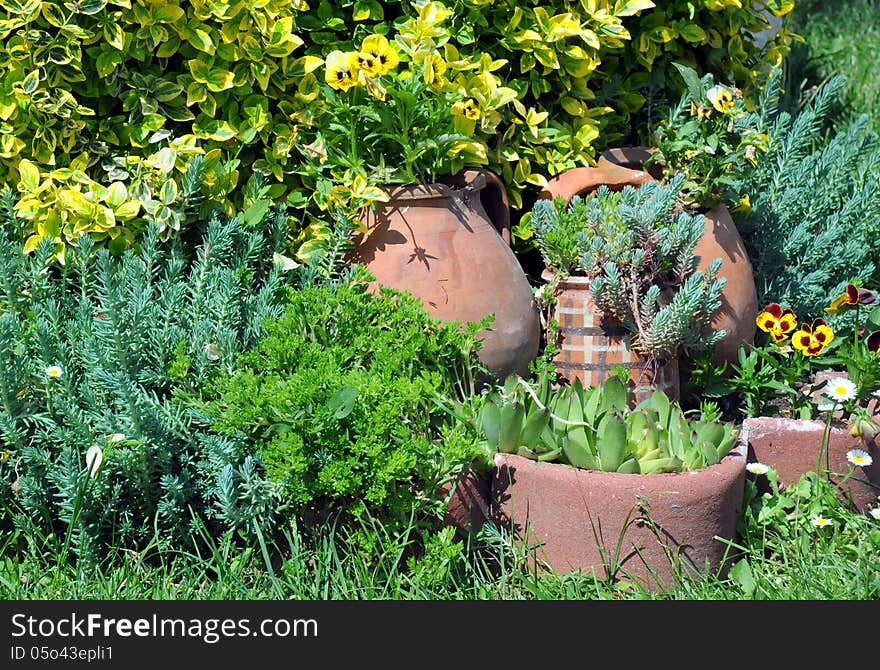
[
  {"x": 651, "y": 528},
  {"x": 621, "y": 167},
  {"x": 448, "y": 245}
]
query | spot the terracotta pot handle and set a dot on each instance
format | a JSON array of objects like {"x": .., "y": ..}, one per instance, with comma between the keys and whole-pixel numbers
[
  {"x": 493, "y": 196},
  {"x": 584, "y": 180}
]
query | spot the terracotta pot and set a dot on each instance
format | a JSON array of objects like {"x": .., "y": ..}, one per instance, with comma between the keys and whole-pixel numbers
[
  {"x": 791, "y": 447},
  {"x": 467, "y": 501},
  {"x": 649, "y": 528},
  {"x": 449, "y": 245},
  {"x": 590, "y": 345},
  {"x": 621, "y": 167}
]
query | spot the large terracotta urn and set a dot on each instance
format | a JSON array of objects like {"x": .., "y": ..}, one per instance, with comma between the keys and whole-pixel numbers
[
  {"x": 449, "y": 245},
  {"x": 621, "y": 167}
]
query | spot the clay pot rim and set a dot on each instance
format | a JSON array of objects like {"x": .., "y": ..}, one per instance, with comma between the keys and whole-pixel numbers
[
  {"x": 626, "y": 480},
  {"x": 452, "y": 186},
  {"x": 627, "y": 154},
  {"x": 753, "y": 423},
  {"x": 572, "y": 281}
]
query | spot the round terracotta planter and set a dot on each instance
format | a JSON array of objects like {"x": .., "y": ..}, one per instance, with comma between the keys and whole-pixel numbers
[
  {"x": 649, "y": 528},
  {"x": 791, "y": 447},
  {"x": 621, "y": 167},
  {"x": 467, "y": 501},
  {"x": 448, "y": 245},
  {"x": 591, "y": 346}
]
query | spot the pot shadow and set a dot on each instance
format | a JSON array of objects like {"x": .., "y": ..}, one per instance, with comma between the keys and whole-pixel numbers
[{"x": 381, "y": 235}]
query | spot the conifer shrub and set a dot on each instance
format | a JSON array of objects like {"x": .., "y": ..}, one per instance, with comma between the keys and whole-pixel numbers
[
  {"x": 808, "y": 212},
  {"x": 99, "y": 450}
]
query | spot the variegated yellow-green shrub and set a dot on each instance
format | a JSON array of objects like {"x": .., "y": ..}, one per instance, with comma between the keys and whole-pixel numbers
[
  {"x": 579, "y": 69},
  {"x": 103, "y": 104},
  {"x": 128, "y": 91}
]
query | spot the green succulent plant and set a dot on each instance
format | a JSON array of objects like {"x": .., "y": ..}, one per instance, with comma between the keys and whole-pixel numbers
[
  {"x": 638, "y": 249},
  {"x": 593, "y": 428}
]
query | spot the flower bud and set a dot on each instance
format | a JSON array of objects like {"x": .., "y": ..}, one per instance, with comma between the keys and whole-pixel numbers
[{"x": 864, "y": 427}]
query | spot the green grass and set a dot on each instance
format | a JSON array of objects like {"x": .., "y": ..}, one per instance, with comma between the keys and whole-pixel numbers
[
  {"x": 841, "y": 36},
  {"x": 779, "y": 555}
]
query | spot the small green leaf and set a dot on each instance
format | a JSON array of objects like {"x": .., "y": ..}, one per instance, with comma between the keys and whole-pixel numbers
[
  {"x": 254, "y": 214},
  {"x": 691, "y": 80},
  {"x": 578, "y": 453},
  {"x": 30, "y": 174},
  {"x": 741, "y": 573},
  {"x": 116, "y": 194},
  {"x": 533, "y": 427},
  {"x": 342, "y": 402},
  {"x": 107, "y": 62},
  {"x": 114, "y": 35},
  {"x": 490, "y": 422},
  {"x": 629, "y": 467},
  {"x": 511, "y": 425},
  {"x": 611, "y": 442},
  {"x": 613, "y": 395},
  {"x": 630, "y": 7},
  {"x": 89, "y": 6},
  {"x": 30, "y": 83},
  {"x": 201, "y": 41},
  {"x": 692, "y": 33},
  {"x": 168, "y": 192}
]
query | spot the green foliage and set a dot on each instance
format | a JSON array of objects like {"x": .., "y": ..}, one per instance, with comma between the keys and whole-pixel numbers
[
  {"x": 777, "y": 376},
  {"x": 581, "y": 69},
  {"x": 121, "y": 93},
  {"x": 594, "y": 428},
  {"x": 709, "y": 136},
  {"x": 94, "y": 355},
  {"x": 108, "y": 100},
  {"x": 390, "y": 124},
  {"x": 813, "y": 223},
  {"x": 339, "y": 399},
  {"x": 639, "y": 252},
  {"x": 803, "y": 522},
  {"x": 839, "y": 39}
]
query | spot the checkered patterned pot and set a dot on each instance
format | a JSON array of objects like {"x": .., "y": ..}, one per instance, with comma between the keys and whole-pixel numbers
[{"x": 590, "y": 346}]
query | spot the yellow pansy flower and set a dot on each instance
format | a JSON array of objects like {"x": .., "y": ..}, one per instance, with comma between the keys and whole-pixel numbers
[
  {"x": 466, "y": 108},
  {"x": 721, "y": 98},
  {"x": 810, "y": 340},
  {"x": 382, "y": 54},
  {"x": 341, "y": 69}
]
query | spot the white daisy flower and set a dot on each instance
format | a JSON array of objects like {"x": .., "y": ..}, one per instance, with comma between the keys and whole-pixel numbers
[
  {"x": 54, "y": 371},
  {"x": 94, "y": 458},
  {"x": 859, "y": 457},
  {"x": 841, "y": 389},
  {"x": 821, "y": 521},
  {"x": 758, "y": 468},
  {"x": 875, "y": 512}
]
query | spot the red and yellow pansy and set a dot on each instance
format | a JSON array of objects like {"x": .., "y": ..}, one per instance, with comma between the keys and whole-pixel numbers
[
  {"x": 777, "y": 321},
  {"x": 852, "y": 297},
  {"x": 811, "y": 339}
]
